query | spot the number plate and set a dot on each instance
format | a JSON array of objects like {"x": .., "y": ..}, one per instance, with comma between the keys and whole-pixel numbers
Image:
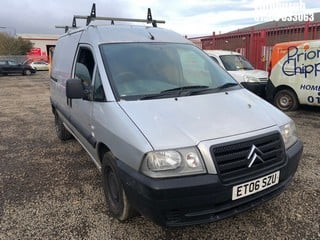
[{"x": 254, "y": 186}]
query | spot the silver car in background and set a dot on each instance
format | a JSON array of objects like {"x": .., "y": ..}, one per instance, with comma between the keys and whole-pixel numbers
[{"x": 40, "y": 66}]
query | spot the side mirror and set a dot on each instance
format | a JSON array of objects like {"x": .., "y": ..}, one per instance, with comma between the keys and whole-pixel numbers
[{"x": 74, "y": 89}]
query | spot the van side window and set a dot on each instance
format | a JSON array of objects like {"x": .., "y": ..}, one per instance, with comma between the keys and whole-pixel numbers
[
  {"x": 84, "y": 66},
  {"x": 98, "y": 91}
]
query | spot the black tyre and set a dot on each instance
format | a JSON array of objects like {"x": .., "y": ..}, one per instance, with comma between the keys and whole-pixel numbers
[
  {"x": 27, "y": 72},
  {"x": 61, "y": 131},
  {"x": 286, "y": 100},
  {"x": 116, "y": 198}
]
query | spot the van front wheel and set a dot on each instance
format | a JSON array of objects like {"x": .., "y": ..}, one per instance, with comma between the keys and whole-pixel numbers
[
  {"x": 286, "y": 100},
  {"x": 116, "y": 198}
]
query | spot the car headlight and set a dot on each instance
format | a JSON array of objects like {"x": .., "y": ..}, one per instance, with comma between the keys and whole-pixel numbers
[
  {"x": 289, "y": 134},
  {"x": 250, "y": 79},
  {"x": 173, "y": 163}
]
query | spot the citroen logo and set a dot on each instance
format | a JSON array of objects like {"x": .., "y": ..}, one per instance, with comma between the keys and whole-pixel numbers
[{"x": 255, "y": 154}]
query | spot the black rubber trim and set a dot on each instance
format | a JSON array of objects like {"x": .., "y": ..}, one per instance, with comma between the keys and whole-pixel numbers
[
  {"x": 257, "y": 88},
  {"x": 270, "y": 90}
]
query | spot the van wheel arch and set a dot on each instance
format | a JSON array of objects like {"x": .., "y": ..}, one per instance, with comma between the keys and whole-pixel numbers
[
  {"x": 61, "y": 131},
  {"x": 102, "y": 149},
  {"x": 115, "y": 195},
  {"x": 286, "y": 99}
]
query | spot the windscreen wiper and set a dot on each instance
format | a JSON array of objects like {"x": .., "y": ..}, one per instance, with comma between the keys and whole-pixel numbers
[
  {"x": 174, "y": 92},
  {"x": 180, "y": 89},
  {"x": 215, "y": 89},
  {"x": 227, "y": 85}
]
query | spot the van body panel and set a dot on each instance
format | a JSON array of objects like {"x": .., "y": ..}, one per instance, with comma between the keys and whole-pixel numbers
[
  {"x": 62, "y": 65},
  {"x": 114, "y": 128},
  {"x": 124, "y": 33},
  {"x": 171, "y": 123},
  {"x": 62, "y": 61}
]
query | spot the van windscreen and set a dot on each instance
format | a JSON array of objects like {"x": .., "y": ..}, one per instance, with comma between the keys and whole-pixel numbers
[
  {"x": 235, "y": 63},
  {"x": 151, "y": 70}
]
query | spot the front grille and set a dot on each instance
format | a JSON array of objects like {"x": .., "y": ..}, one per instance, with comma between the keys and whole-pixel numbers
[{"x": 232, "y": 160}]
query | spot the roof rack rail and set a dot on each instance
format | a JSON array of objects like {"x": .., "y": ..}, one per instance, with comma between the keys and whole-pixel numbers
[
  {"x": 93, "y": 16},
  {"x": 66, "y": 28}
]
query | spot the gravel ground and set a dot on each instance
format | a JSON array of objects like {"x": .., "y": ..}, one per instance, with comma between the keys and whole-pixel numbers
[{"x": 52, "y": 190}]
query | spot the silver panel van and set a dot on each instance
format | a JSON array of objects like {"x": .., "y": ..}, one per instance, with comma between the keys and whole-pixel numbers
[{"x": 175, "y": 137}]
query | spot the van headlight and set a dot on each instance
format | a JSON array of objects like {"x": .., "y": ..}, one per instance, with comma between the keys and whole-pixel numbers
[
  {"x": 173, "y": 163},
  {"x": 250, "y": 79},
  {"x": 289, "y": 134}
]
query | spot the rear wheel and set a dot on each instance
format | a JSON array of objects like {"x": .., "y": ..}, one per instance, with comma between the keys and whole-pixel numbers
[
  {"x": 286, "y": 100},
  {"x": 116, "y": 198},
  {"x": 61, "y": 131}
]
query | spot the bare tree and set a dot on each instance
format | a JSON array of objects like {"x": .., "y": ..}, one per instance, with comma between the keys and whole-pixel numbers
[{"x": 14, "y": 46}]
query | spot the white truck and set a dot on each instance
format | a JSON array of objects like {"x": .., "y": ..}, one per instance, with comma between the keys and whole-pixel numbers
[{"x": 241, "y": 69}]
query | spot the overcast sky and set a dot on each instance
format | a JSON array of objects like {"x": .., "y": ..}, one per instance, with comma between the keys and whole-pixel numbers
[{"x": 187, "y": 17}]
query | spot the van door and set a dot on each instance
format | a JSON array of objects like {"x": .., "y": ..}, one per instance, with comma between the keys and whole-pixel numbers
[{"x": 81, "y": 109}]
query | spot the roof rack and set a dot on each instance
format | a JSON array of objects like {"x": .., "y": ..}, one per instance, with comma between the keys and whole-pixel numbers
[
  {"x": 93, "y": 16},
  {"x": 66, "y": 28}
]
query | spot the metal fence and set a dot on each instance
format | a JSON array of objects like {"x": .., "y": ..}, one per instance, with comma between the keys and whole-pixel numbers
[{"x": 256, "y": 44}]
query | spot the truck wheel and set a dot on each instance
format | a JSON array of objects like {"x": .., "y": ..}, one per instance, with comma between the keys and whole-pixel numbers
[
  {"x": 116, "y": 198},
  {"x": 27, "y": 72},
  {"x": 61, "y": 131},
  {"x": 286, "y": 100}
]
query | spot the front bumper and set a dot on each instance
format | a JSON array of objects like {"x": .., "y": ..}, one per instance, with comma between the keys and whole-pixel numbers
[{"x": 197, "y": 199}]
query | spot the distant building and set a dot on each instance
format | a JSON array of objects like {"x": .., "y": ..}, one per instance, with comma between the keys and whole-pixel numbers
[
  {"x": 41, "y": 45},
  {"x": 256, "y": 42},
  {"x": 197, "y": 40}
]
